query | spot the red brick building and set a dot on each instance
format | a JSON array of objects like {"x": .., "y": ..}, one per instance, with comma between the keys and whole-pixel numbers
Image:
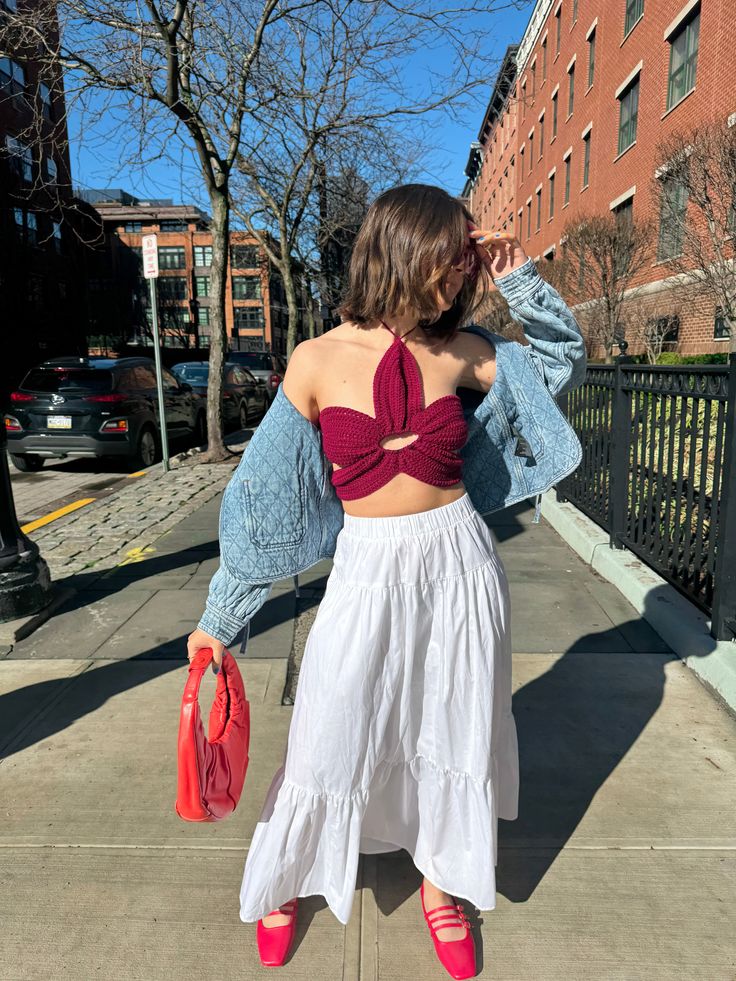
[
  {"x": 575, "y": 117},
  {"x": 256, "y": 313}
]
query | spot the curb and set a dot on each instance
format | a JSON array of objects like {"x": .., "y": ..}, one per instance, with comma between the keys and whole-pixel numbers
[{"x": 677, "y": 621}]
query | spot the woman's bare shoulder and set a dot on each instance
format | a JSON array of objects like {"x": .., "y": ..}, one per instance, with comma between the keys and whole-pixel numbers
[
  {"x": 478, "y": 355},
  {"x": 309, "y": 360}
]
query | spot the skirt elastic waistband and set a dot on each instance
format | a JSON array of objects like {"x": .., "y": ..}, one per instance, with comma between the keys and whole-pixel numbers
[{"x": 402, "y": 525}]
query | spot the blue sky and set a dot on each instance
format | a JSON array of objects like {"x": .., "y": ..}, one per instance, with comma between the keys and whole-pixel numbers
[{"x": 96, "y": 156}]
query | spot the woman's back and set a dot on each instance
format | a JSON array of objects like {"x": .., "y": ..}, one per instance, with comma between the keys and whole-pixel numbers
[{"x": 357, "y": 369}]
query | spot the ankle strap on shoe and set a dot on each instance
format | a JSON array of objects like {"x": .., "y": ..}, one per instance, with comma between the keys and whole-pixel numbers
[{"x": 457, "y": 917}]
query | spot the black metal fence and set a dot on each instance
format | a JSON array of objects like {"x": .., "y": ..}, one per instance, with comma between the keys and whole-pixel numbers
[{"x": 659, "y": 473}]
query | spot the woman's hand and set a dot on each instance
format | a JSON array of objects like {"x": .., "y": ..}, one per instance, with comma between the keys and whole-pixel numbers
[
  {"x": 198, "y": 639},
  {"x": 500, "y": 252}
]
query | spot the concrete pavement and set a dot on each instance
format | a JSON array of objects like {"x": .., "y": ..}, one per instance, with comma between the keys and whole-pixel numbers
[{"x": 621, "y": 866}]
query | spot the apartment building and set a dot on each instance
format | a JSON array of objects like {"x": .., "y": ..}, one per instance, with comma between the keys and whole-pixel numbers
[
  {"x": 256, "y": 313},
  {"x": 575, "y": 118},
  {"x": 42, "y": 272}
]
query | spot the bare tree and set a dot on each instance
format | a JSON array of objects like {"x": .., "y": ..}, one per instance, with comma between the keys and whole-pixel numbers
[
  {"x": 182, "y": 68},
  {"x": 695, "y": 188},
  {"x": 655, "y": 333},
  {"x": 341, "y": 106},
  {"x": 604, "y": 255}
]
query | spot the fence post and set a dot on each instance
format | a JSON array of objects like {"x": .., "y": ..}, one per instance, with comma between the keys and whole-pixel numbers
[
  {"x": 723, "y": 624},
  {"x": 619, "y": 460},
  {"x": 563, "y": 403}
]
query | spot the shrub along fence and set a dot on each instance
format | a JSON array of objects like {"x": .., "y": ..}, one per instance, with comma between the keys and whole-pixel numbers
[{"x": 659, "y": 473}]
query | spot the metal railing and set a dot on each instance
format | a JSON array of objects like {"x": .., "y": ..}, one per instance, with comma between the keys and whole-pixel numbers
[{"x": 659, "y": 473}]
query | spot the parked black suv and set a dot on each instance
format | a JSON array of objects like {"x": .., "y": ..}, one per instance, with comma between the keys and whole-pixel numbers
[{"x": 97, "y": 407}]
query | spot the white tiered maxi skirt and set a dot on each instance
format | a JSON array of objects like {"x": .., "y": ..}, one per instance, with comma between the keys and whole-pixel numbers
[{"x": 402, "y": 734}]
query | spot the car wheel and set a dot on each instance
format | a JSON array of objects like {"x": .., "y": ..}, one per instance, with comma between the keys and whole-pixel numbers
[
  {"x": 146, "y": 449},
  {"x": 27, "y": 462},
  {"x": 243, "y": 416},
  {"x": 200, "y": 429}
]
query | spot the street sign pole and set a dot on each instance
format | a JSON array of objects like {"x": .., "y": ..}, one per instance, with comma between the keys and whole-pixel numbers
[{"x": 150, "y": 272}]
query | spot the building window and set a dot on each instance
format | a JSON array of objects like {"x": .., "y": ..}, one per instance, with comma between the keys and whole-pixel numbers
[
  {"x": 26, "y": 225},
  {"x": 624, "y": 212},
  {"x": 586, "y": 159},
  {"x": 203, "y": 316},
  {"x": 523, "y": 103},
  {"x": 248, "y": 318},
  {"x": 667, "y": 328},
  {"x": 539, "y": 209},
  {"x": 171, "y": 257},
  {"x": 528, "y": 219},
  {"x": 35, "y": 292},
  {"x": 574, "y": 10},
  {"x": 46, "y": 106},
  {"x": 10, "y": 5},
  {"x": 552, "y": 196},
  {"x": 720, "y": 326},
  {"x": 31, "y": 228},
  {"x": 634, "y": 10},
  {"x": 133, "y": 227},
  {"x": 21, "y": 158},
  {"x": 531, "y": 151},
  {"x": 56, "y": 235},
  {"x": 544, "y": 59},
  {"x": 683, "y": 59},
  {"x": 172, "y": 225},
  {"x": 201, "y": 285},
  {"x": 554, "y": 115},
  {"x": 244, "y": 256},
  {"x": 52, "y": 173},
  {"x": 591, "y": 58},
  {"x": 628, "y": 113},
  {"x": 172, "y": 287},
  {"x": 571, "y": 89},
  {"x": 671, "y": 219},
  {"x": 558, "y": 28},
  {"x": 541, "y": 135},
  {"x": 521, "y": 162},
  {"x": 568, "y": 167},
  {"x": 203, "y": 256},
  {"x": 12, "y": 76},
  {"x": 534, "y": 82}
]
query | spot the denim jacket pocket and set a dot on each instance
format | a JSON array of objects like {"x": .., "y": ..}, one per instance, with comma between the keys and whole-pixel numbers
[
  {"x": 275, "y": 506},
  {"x": 528, "y": 425}
]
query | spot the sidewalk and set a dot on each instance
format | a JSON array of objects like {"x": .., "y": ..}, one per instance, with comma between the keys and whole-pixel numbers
[{"x": 622, "y": 864}]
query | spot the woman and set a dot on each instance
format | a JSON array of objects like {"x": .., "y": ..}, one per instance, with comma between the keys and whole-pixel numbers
[{"x": 402, "y": 734}]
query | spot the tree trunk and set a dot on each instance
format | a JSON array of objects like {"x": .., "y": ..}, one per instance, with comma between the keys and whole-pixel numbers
[
  {"x": 309, "y": 312},
  {"x": 218, "y": 340},
  {"x": 293, "y": 306}
]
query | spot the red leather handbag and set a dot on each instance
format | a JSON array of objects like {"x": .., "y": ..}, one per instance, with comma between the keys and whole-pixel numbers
[{"x": 212, "y": 769}]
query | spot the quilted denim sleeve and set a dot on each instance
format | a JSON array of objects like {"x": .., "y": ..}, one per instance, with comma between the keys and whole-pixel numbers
[
  {"x": 231, "y": 603},
  {"x": 549, "y": 324}
]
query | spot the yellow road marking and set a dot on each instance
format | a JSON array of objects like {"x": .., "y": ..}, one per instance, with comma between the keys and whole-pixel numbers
[
  {"x": 138, "y": 473},
  {"x": 47, "y": 519}
]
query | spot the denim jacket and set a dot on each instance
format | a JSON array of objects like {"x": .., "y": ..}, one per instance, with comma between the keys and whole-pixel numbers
[{"x": 280, "y": 513}]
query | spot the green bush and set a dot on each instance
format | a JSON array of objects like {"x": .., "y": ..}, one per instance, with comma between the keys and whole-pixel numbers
[{"x": 670, "y": 357}]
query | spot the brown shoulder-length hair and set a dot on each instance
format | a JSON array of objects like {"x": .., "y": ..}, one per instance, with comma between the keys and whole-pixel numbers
[{"x": 408, "y": 243}]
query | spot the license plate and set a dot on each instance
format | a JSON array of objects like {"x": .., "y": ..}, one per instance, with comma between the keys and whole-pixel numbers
[{"x": 59, "y": 422}]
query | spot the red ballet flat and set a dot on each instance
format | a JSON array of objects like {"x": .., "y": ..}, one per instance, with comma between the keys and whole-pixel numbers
[
  {"x": 456, "y": 956},
  {"x": 274, "y": 943}
]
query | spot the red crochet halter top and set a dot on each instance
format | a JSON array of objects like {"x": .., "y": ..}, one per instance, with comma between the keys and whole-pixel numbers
[{"x": 352, "y": 439}]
